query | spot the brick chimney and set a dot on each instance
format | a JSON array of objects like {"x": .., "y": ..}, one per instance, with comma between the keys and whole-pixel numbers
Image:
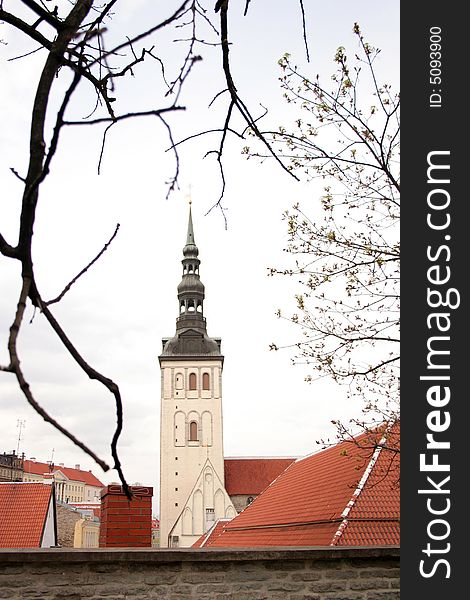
[{"x": 126, "y": 523}]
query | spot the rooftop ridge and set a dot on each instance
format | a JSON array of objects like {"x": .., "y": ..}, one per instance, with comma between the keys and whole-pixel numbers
[{"x": 260, "y": 457}]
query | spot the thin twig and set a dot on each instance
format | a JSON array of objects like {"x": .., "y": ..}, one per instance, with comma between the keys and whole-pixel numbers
[
  {"x": 143, "y": 113},
  {"x": 304, "y": 29},
  {"x": 84, "y": 270}
]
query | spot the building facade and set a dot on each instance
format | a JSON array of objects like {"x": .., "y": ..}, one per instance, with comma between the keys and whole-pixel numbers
[
  {"x": 72, "y": 484},
  {"x": 192, "y": 490},
  {"x": 11, "y": 466}
]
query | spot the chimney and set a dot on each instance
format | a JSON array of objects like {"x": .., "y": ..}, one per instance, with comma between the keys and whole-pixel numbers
[{"x": 126, "y": 523}]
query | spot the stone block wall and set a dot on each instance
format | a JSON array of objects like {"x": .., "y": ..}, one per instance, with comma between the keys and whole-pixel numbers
[
  {"x": 67, "y": 517},
  {"x": 262, "y": 574}
]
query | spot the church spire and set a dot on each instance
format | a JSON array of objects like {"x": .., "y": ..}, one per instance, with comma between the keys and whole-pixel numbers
[
  {"x": 191, "y": 333},
  {"x": 191, "y": 289},
  {"x": 190, "y": 237}
]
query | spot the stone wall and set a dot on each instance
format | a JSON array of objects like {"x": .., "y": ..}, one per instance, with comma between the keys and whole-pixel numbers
[
  {"x": 240, "y": 501},
  {"x": 67, "y": 517},
  {"x": 131, "y": 574}
]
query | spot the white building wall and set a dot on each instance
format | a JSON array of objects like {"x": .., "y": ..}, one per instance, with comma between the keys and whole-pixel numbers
[
  {"x": 49, "y": 534},
  {"x": 207, "y": 502},
  {"x": 181, "y": 460}
]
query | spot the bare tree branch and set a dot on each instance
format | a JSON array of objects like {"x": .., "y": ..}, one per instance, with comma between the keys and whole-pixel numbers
[
  {"x": 24, "y": 385},
  {"x": 143, "y": 113},
  {"x": 84, "y": 270},
  {"x": 44, "y": 14},
  {"x": 304, "y": 29}
]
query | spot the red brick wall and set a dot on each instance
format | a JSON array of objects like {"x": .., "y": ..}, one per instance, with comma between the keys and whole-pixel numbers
[{"x": 126, "y": 523}]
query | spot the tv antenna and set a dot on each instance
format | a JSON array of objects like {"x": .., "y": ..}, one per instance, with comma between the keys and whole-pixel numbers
[{"x": 20, "y": 424}]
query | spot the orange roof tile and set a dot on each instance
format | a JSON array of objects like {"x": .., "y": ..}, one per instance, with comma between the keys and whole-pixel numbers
[
  {"x": 214, "y": 531},
  {"x": 347, "y": 494},
  {"x": 23, "y": 510},
  {"x": 375, "y": 514},
  {"x": 252, "y": 475},
  {"x": 39, "y": 468},
  {"x": 296, "y": 535}
]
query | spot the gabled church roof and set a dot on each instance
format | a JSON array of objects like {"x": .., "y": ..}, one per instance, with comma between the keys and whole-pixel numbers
[
  {"x": 247, "y": 476},
  {"x": 198, "y": 485},
  {"x": 346, "y": 495}
]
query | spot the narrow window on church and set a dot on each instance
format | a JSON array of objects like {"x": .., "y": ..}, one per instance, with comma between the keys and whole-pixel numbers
[
  {"x": 205, "y": 381},
  {"x": 179, "y": 381},
  {"x": 192, "y": 381},
  {"x": 193, "y": 431}
]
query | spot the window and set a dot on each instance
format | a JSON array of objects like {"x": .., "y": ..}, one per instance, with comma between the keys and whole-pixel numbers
[
  {"x": 206, "y": 381},
  {"x": 179, "y": 381},
  {"x": 210, "y": 514},
  {"x": 193, "y": 431},
  {"x": 174, "y": 541},
  {"x": 249, "y": 500},
  {"x": 192, "y": 381}
]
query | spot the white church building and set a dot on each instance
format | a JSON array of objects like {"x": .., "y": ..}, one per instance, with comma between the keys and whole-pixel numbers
[{"x": 197, "y": 485}]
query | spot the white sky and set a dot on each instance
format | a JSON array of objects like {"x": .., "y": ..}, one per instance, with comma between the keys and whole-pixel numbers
[{"x": 118, "y": 313}]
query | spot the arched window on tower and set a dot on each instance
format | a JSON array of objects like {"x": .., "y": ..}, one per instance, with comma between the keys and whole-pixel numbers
[
  {"x": 193, "y": 431},
  {"x": 192, "y": 381},
  {"x": 206, "y": 381}
]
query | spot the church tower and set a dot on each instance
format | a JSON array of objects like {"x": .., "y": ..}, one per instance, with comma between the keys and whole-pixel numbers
[{"x": 192, "y": 492}]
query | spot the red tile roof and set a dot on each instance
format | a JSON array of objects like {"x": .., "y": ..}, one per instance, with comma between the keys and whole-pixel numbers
[
  {"x": 213, "y": 532},
  {"x": 23, "y": 512},
  {"x": 39, "y": 468},
  {"x": 347, "y": 494},
  {"x": 252, "y": 475},
  {"x": 375, "y": 516}
]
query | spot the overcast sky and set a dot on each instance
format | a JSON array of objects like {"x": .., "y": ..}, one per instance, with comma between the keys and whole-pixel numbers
[{"x": 118, "y": 313}]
